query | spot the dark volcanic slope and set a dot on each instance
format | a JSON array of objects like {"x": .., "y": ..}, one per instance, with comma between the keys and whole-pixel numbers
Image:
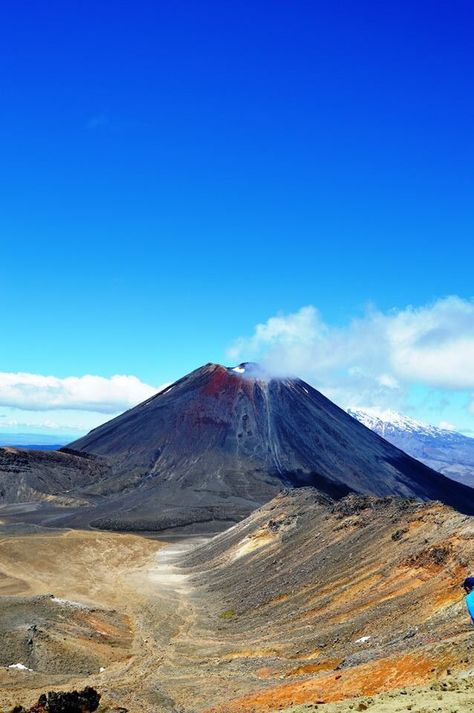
[
  {"x": 222, "y": 440},
  {"x": 54, "y": 477}
]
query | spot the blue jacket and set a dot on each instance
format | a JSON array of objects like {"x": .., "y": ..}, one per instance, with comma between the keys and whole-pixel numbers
[{"x": 470, "y": 604}]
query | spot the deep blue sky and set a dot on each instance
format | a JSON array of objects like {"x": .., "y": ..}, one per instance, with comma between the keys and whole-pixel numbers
[{"x": 174, "y": 172}]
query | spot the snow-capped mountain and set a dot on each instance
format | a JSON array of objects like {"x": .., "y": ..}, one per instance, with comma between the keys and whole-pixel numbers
[{"x": 449, "y": 452}]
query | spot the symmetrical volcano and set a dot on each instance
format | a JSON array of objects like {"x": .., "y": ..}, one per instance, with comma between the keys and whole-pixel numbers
[{"x": 221, "y": 441}]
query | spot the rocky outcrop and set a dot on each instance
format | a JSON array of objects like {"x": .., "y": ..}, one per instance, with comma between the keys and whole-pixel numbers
[{"x": 85, "y": 701}]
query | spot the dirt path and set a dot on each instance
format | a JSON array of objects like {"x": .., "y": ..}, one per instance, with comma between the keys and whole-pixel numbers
[{"x": 132, "y": 578}]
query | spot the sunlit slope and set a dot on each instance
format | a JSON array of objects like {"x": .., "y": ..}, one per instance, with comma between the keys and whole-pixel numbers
[{"x": 324, "y": 601}]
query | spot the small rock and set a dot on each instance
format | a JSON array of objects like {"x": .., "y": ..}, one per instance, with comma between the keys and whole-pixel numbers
[{"x": 86, "y": 701}]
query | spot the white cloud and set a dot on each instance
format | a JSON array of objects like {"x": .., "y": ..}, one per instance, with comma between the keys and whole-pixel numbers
[
  {"x": 35, "y": 392},
  {"x": 372, "y": 360},
  {"x": 388, "y": 380},
  {"x": 434, "y": 344},
  {"x": 62, "y": 420},
  {"x": 447, "y": 425}
]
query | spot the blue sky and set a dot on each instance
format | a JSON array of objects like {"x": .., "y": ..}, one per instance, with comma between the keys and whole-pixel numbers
[{"x": 174, "y": 174}]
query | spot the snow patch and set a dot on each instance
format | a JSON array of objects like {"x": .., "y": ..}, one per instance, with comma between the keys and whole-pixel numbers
[
  {"x": 446, "y": 426},
  {"x": 385, "y": 420},
  {"x": 363, "y": 639},
  {"x": 239, "y": 369},
  {"x": 68, "y": 603},
  {"x": 20, "y": 667}
]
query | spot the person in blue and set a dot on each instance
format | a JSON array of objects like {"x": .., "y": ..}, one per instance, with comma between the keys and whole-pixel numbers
[{"x": 468, "y": 586}]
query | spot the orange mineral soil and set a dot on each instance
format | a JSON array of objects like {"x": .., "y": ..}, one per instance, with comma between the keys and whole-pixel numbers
[{"x": 304, "y": 601}]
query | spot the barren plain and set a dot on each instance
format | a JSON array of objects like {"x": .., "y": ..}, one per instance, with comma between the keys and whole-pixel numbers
[{"x": 307, "y": 604}]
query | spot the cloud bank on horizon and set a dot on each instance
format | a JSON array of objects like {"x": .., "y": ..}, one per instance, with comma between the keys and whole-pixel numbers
[
  {"x": 27, "y": 400},
  {"x": 417, "y": 359},
  {"x": 35, "y": 392}
]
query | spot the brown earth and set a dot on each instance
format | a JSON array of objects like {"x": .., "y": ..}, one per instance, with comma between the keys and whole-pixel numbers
[
  {"x": 90, "y": 624},
  {"x": 453, "y": 695},
  {"x": 305, "y": 603},
  {"x": 345, "y": 600}
]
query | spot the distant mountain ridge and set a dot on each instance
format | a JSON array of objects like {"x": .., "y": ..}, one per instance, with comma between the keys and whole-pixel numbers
[
  {"x": 34, "y": 440},
  {"x": 447, "y": 451}
]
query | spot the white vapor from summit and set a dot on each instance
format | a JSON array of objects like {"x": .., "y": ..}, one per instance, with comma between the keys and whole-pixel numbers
[{"x": 372, "y": 360}]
